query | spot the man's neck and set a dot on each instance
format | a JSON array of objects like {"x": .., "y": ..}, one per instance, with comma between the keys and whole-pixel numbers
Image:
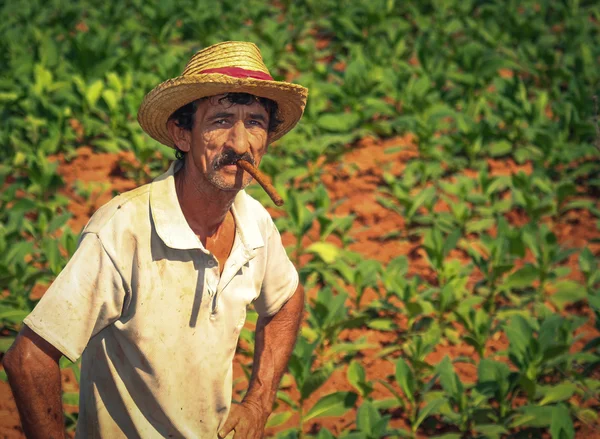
[{"x": 203, "y": 205}]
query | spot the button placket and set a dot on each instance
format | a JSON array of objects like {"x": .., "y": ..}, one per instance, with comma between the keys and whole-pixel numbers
[
  {"x": 212, "y": 275},
  {"x": 233, "y": 266}
]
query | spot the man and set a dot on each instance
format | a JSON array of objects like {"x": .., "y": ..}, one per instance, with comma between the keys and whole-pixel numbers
[{"x": 155, "y": 296}]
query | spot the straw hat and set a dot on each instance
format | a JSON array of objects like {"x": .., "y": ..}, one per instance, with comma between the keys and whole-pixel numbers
[{"x": 231, "y": 66}]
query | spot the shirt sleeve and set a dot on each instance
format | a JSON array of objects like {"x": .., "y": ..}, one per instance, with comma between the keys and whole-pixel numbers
[
  {"x": 280, "y": 280},
  {"x": 85, "y": 298}
]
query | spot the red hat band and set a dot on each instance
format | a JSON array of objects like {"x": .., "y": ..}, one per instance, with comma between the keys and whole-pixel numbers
[{"x": 238, "y": 72}]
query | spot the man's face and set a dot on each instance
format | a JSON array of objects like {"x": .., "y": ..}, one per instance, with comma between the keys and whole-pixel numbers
[{"x": 222, "y": 133}]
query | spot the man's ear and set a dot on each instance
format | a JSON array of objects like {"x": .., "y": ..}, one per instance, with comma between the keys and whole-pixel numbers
[{"x": 181, "y": 137}]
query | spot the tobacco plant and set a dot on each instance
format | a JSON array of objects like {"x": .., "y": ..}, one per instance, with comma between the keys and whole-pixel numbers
[
  {"x": 402, "y": 198},
  {"x": 494, "y": 257},
  {"x": 308, "y": 377},
  {"x": 414, "y": 378},
  {"x": 546, "y": 270},
  {"x": 327, "y": 317}
]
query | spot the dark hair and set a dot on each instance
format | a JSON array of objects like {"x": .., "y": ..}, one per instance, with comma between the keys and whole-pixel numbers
[{"x": 184, "y": 116}]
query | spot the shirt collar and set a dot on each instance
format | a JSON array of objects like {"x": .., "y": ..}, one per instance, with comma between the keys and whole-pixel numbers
[{"x": 172, "y": 227}]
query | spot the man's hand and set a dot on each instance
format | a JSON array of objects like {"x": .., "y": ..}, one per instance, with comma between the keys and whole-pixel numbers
[{"x": 247, "y": 419}]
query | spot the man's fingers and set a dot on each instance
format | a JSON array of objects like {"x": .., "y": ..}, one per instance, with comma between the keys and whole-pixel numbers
[
  {"x": 232, "y": 421},
  {"x": 226, "y": 432},
  {"x": 244, "y": 422}
]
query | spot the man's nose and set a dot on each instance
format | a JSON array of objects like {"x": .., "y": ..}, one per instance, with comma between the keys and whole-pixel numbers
[{"x": 238, "y": 138}]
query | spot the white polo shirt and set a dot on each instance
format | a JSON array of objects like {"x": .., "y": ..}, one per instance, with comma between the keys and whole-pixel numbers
[{"x": 143, "y": 300}]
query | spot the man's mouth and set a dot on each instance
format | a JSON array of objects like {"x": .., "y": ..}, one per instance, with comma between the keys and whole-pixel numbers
[
  {"x": 228, "y": 160},
  {"x": 230, "y": 168}
]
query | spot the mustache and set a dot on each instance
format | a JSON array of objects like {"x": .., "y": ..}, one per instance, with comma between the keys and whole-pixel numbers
[{"x": 230, "y": 157}]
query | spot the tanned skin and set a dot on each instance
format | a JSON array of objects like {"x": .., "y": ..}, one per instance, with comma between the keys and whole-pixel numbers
[{"x": 34, "y": 377}]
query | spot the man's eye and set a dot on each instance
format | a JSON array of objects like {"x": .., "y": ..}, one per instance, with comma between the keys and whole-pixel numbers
[{"x": 220, "y": 121}]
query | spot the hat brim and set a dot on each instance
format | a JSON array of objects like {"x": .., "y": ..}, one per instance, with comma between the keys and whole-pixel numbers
[{"x": 167, "y": 97}]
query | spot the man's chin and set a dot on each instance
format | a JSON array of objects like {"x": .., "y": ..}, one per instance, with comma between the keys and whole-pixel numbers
[{"x": 229, "y": 184}]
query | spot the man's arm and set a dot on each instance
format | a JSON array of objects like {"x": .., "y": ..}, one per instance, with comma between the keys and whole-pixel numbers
[
  {"x": 275, "y": 339},
  {"x": 33, "y": 372}
]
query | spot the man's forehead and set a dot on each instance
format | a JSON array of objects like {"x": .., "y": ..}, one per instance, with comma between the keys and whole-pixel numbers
[{"x": 219, "y": 103}]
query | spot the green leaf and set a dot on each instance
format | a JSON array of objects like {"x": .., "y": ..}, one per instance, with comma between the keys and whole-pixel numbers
[
  {"x": 367, "y": 418},
  {"x": 480, "y": 225},
  {"x": 420, "y": 86},
  {"x": 500, "y": 148},
  {"x": 277, "y": 419},
  {"x": 14, "y": 316},
  {"x": 350, "y": 347},
  {"x": 357, "y": 377},
  {"x": 491, "y": 431},
  {"x": 338, "y": 122},
  {"x": 587, "y": 261},
  {"x": 111, "y": 99},
  {"x": 327, "y": 251},
  {"x": 421, "y": 198},
  {"x": 286, "y": 399},
  {"x": 430, "y": 409},
  {"x": 43, "y": 79},
  {"x": 334, "y": 404},
  {"x": 355, "y": 435},
  {"x": 449, "y": 380},
  {"x": 450, "y": 242},
  {"x": 519, "y": 333},
  {"x": 58, "y": 221},
  {"x": 385, "y": 404},
  {"x": 52, "y": 253},
  {"x": 382, "y": 324},
  {"x": 533, "y": 416},
  {"x": 315, "y": 379},
  {"x": 6, "y": 343},
  {"x": 492, "y": 378},
  {"x": 528, "y": 384},
  {"x": 405, "y": 379},
  {"x": 115, "y": 82},
  {"x": 588, "y": 416},
  {"x": 18, "y": 251},
  {"x": 76, "y": 368},
  {"x": 522, "y": 278},
  {"x": 567, "y": 291},
  {"x": 71, "y": 398},
  {"x": 108, "y": 145},
  {"x": 324, "y": 434},
  {"x": 561, "y": 426},
  {"x": 93, "y": 92},
  {"x": 414, "y": 308},
  {"x": 560, "y": 392},
  {"x": 8, "y": 96}
]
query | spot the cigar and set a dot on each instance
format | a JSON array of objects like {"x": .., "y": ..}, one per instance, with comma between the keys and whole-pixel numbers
[{"x": 262, "y": 180}]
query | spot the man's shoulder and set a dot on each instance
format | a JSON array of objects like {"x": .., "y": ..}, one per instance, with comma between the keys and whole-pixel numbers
[{"x": 124, "y": 209}]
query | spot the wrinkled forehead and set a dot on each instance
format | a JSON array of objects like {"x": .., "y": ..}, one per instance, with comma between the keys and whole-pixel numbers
[{"x": 228, "y": 103}]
